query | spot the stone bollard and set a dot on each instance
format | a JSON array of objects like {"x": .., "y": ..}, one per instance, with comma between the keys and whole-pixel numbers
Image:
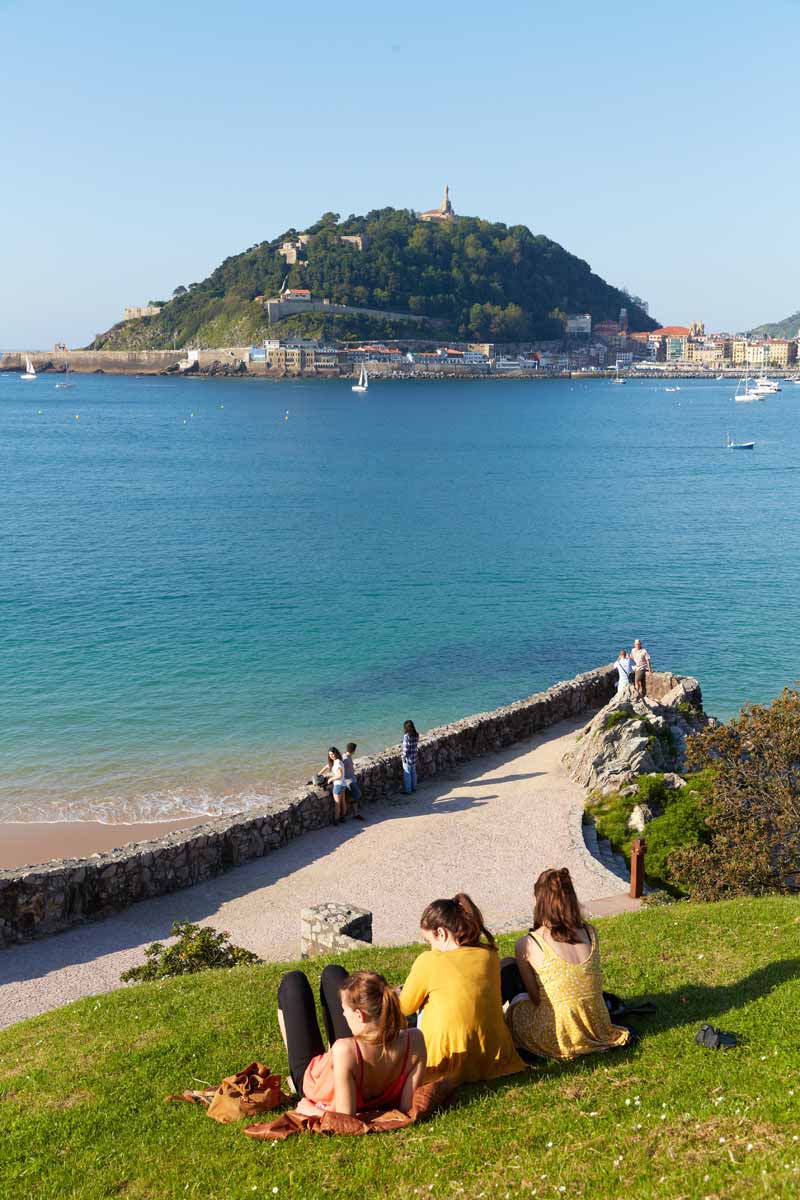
[{"x": 327, "y": 928}]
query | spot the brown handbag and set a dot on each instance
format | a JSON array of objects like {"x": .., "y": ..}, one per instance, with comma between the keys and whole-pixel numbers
[{"x": 250, "y": 1092}]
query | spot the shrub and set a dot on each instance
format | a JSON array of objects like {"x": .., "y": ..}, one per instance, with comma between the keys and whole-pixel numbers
[
  {"x": 754, "y": 811},
  {"x": 617, "y": 717},
  {"x": 197, "y": 948}
]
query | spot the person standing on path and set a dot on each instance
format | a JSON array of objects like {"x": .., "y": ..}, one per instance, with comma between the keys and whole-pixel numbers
[
  {"x": 624, "y": 667},
  {"x": 352, "y": 782},
  {"x": 337, "y": 778},
  {"x": 641, "y": 666},
  {"x": 408, "y": 756}
]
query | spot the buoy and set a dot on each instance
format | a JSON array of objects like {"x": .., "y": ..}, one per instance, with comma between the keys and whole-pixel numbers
[
  {"x": 39, "y": 412},
  {"x": 77, "y": 416}
]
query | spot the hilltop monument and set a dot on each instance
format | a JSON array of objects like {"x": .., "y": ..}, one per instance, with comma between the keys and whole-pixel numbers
[{"x": 443, "y": 213}]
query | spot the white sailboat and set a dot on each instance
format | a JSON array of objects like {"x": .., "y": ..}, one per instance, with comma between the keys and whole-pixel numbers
[
  {"x": 618, "y": 378},
  {"x": 363, "y": 380},
  {"x": 29, "y": 372},
  {"x": 65, "y": 383},
  {"x": 749, "y": 394}
]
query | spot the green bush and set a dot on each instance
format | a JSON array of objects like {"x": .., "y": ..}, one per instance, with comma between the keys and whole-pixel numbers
[
  {"x": 197, "y": 948},
  {"x": 681, "y": 827},
  {"x": 616, "y": 718},
  {"x": 682, "y": 824}
]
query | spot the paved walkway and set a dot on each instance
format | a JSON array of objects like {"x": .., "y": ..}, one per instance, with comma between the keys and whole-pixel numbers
[{"x": 487, "y": 829}]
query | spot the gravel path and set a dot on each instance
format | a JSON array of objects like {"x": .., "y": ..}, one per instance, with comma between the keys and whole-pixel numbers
[{"x": 487, "y": 829}]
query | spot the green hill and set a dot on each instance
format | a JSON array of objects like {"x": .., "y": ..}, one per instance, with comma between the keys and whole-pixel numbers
[
  {"x": 480, "y": 281},
  {"x": 82, "y": 1089},
  {"x": 787, "y": 328}
]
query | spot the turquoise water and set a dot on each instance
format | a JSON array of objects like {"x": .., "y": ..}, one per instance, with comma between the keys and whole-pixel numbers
[{"x": 195, "y": 606}]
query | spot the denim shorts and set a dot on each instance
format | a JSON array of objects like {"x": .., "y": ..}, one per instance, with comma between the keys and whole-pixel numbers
[{"x": 339, "y": 788}]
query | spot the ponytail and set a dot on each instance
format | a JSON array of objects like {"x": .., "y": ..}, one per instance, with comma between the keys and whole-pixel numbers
[
  {"x": 370, "y": 992},
  {"x": 461, "y": 917}
]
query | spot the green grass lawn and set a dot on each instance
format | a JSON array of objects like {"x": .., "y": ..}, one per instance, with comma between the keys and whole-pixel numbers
[{"x": 82, "y": 1089}]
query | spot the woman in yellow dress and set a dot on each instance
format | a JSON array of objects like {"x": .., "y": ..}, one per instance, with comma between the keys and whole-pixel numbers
[
  {"x": 457, "y": 981},
  {"x": 562, "y": 1013}
]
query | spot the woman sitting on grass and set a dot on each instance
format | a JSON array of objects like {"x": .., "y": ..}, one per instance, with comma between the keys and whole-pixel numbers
[
  {"x": 561, "y": 1012},
  {"x": 373, "y": 1062},
  {"x": 458, "y": 982}
]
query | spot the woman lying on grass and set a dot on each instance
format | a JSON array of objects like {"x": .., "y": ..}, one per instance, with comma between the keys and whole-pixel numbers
[
  {"x": 458, "y": 982},
  {"x": 373, "y": 1061},
  {"x": 561, "y": 1012}
]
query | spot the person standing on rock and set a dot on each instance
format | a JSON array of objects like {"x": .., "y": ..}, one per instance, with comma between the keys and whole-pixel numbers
[
  {"x": 641, "y": 666},
  {"x": 624, "y": 666}
]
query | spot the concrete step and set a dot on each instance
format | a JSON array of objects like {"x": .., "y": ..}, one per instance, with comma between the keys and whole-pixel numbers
[{"x": 590, "y": 838}]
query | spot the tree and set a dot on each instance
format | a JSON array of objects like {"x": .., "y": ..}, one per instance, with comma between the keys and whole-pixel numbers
[
  {"x": 180, "y": 290},
  {"x": 754, "y": 812}
]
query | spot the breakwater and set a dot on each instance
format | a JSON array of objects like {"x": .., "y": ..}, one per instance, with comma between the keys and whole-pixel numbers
[{"x": 35, "y": 901}]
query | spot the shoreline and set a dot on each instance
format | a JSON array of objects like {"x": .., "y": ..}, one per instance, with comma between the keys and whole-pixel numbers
[
  {"x": 34, "y": 843},
  {"x": 143, "y": 372}
]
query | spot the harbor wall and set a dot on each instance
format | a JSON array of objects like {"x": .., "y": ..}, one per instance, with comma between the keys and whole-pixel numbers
[
  {"x": 120, "y": 362},
  {"x": 39, "y": 900}
]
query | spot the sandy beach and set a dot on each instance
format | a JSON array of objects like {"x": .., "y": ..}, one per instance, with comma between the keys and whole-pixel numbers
[
  {"x": 488, "y": 828},
  {"x": 29, "y": 843}
]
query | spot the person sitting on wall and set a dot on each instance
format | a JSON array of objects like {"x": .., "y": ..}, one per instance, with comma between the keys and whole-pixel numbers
[
  {"x": 457, "y": 980},
  {"x": 373, "y": 1060},
  {"x": 334, "y": 773},
  {"x": 554, "y": 989}
]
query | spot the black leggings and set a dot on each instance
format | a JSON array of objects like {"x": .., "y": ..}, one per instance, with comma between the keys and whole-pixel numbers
[
  {"x": 511, "y": 985},
  {"x": 510, "y": 980},
  {"x": 296, "y": 1003}
]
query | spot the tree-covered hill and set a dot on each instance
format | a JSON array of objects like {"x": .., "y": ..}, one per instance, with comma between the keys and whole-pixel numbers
[
  {"x": 787, "y": 328},
  {"x": 480, "y": 280}
]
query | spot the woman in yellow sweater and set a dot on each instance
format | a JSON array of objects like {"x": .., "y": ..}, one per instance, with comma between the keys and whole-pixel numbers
[{"x": 457, "y": 981}]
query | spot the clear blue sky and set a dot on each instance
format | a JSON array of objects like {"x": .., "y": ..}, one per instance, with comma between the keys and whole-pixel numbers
[{"x": 142, "y": 144}]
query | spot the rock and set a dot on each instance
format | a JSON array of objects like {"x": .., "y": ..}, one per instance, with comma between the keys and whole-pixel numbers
[
  {"x": 327, "y": 928},
  {"x": 632, "y": 737},
  {"x": 641, "y": 814},
  {"x": 672, "y": 781}
]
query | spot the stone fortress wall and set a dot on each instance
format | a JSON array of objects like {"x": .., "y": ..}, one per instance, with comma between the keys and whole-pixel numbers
[{"x": 35, "y": 901}]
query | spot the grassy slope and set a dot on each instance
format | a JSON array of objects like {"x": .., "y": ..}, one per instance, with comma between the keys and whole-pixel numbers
[{"x": 82, "y": 1111}]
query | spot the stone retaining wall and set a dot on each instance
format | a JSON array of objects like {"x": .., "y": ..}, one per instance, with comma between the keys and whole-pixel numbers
[{"x": 35, "y": 901}]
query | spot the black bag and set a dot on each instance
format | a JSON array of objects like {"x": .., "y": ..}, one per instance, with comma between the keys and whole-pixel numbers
[{"x": 715, "y": 1039}]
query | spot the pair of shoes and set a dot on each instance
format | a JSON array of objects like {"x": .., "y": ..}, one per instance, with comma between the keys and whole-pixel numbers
[{"x": 715, "y": 1039}]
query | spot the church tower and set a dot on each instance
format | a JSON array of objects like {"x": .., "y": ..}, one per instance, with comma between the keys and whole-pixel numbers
[{"x": 443, "y": 213}]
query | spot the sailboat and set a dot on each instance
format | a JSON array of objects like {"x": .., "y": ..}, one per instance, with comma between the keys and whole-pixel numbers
[
  {"x": 65, "y": 383},
  {"x": 29, "y": 372},
  {"x": 731, "y": 445},
  {"x": 363, "y": 380},
  {"x": 749, "y": 394},
  {"x": 618, "y": 378}
]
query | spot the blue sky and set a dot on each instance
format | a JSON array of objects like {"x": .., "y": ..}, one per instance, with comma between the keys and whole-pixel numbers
[{"x": 142, "y": 144}]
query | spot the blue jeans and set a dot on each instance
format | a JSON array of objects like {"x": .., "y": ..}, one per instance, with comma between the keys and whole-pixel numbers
[
  {"x": 409, "y": 777},
  {"x": 355, "y": 790}
]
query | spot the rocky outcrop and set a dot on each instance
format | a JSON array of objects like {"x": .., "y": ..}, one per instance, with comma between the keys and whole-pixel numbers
[{"x": 631, "y": 737}]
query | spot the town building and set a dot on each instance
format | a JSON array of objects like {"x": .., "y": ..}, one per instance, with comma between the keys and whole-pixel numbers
[
  {"x": 578, "y": 325},
  {"x": 134, "y": 312},
  {"x": 443, "y": 213}
]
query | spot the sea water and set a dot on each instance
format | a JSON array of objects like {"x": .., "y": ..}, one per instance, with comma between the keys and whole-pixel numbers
[{"x": 206, "y": 582}]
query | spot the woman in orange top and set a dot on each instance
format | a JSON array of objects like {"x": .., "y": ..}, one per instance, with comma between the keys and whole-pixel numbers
[
  {"x": 458, "y": 982},
  {"x": 376, "y": 1063}
]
